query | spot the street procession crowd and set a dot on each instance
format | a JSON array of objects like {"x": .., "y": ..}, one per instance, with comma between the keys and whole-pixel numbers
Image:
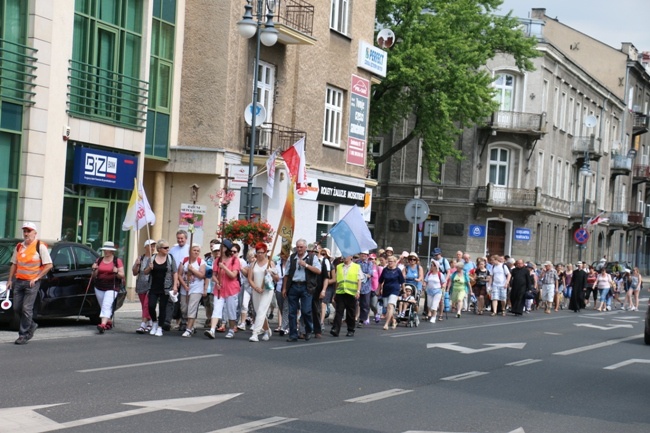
[{"x": 303, "y": 288}]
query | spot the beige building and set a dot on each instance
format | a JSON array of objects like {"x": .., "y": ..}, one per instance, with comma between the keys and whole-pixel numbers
[
  {"x": 519, "y": 190},
  {"x": 95, "y": 94}
]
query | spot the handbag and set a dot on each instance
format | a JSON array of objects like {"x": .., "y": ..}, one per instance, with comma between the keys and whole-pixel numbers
[{"x": 269, "y": 284}]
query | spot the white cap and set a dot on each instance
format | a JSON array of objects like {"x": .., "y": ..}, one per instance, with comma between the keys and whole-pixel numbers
[
  {"x": 30, "y": 226},
  {"x": 216, "y": 247},
  {"x": 149, "y": 242}
]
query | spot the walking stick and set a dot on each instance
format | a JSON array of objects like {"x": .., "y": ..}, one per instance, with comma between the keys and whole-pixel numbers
[{"x": 85, "y": 294}]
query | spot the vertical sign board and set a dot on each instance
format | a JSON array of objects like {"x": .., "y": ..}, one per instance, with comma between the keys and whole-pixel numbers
[{"x": 358, "y": 126}]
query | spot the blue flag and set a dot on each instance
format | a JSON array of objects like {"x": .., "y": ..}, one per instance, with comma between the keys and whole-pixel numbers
[{"x": 351, "y": 234}]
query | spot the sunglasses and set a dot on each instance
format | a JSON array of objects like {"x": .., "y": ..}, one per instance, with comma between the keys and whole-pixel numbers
[
  {"x": 323, "y": 253},
  {"x": 412, "y": 259},
  {"x": 27, "y": 230},
  {"x": 260, "y": 252},
  {"x": 163, "y": 248}
]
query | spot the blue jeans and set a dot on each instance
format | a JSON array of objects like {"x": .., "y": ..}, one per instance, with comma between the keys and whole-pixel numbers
[
  {"x": 24, "y": 298},
  {"x": 298, "y": 294}
]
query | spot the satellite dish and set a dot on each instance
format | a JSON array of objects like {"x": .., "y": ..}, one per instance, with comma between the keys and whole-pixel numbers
[
  {"x": 591, "y": 121},
  {"x": 385, "y": 38},
  {"x": 260, "y": 114}
]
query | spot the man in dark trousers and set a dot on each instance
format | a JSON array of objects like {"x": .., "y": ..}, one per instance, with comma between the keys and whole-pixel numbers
[
  {"x": 298, "y": 286},
  {"x": 30, "y": 262},
  {"x": 349, "y": 276},
  {"x": 578, "y": 284},
  {"x": 520, "y": 282}
]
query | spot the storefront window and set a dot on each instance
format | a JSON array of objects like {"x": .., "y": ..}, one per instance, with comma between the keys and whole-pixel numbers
[{"x": 324, "y": 223}]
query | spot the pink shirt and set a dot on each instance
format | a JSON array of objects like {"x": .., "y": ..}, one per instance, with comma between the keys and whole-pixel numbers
[{"x": 229, "y": 286}]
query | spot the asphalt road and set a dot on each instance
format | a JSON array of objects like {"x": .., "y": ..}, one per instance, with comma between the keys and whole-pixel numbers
[{"x": 564, "y": 372}]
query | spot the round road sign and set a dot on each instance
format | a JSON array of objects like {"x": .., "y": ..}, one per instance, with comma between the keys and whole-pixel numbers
[
  {"x": 416, "y": 211},
  {"x": 581, "y": 236}
]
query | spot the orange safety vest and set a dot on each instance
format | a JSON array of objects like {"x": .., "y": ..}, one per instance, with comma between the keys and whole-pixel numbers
[{"x": 28, "y": 261}]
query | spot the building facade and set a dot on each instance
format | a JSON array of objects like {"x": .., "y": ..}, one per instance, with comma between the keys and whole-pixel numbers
[
  {"x": 520, "y": 190},
  {"x": 96, "y": 93}
]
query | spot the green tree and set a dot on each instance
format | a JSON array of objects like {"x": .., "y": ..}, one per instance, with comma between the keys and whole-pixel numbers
[{"x": 436, "y": 70}]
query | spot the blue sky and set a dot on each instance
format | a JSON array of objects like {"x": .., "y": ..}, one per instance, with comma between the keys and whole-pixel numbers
[{"x": 609, "y": 21}]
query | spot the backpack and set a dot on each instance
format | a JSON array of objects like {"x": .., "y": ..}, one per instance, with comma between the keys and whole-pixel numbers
[{"x": 122, "y": 288}]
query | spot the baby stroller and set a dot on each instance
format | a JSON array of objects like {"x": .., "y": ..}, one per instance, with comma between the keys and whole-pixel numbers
[{"x": 410, "y": 317}]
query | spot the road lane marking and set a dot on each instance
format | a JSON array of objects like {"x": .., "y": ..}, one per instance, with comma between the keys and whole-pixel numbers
[
  {"x": 463, "y": 376},
  {"x": 627, "y": 320},
  {"x": 603, "y": 328},
  {"x": 626, "y": 363},
  {"x": 523, "y": 362},
  {"x": 552, "y": 333},
  {"x": 25, "y": 418},
  {"x": 379, "y": 395},
  {"x": 518, "y": 430},
  {"x": 300, "y": 346},
  {"x": 597, "y": 345},
  {"x": 146, "y": 364},
  {"x": 255, "y": 425},
  {"x": 467, "y": 350}
]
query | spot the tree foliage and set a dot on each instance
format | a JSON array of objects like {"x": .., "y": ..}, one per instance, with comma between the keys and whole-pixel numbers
[{"x": 436, "y": 70}]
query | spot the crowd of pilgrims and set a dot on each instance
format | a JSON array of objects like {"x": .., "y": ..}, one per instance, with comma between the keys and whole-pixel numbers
[{"x": 245, "y": 293}]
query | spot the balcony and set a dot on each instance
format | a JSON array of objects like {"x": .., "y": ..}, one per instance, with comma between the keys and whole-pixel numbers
[
  {"x": 17, "y": 72},
  {"x": 583, "y": 145},
  {"x": 106, "y": 96},
  {"x": 621, "y": 165},
  {"x": 576, "y": 209},
  {"x": 519, "y": 123},
  {"x": 272, "y": 136},
  {"x": 640, "y": 125},
  {"x": 635, "y": 218},
  {"x": 294, "y": 20},
  {"x": 641, "y": 173},
  {"x": 502, "y": 197},
  {"x": 617, "y": 218}
]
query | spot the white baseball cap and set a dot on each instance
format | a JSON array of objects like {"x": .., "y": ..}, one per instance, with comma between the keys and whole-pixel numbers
[{"x": 31, "y": 226}]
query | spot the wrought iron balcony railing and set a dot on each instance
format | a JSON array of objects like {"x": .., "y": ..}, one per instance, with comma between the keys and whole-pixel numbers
[
  {"x": 106, "y": 96},
  {"x": 518, "y": 122},
  {"x": 635, "y": 218},
  {"x": 492, "y": 195},
  {"x": 642, "y": 171},
  {"x": 271, "y": 136},
  {"x": 640, "y": 125},
  {"x": 17, "y": 72}
]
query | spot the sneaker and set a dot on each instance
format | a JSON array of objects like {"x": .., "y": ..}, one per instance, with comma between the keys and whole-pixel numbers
[
  {"x": 158, "y": 332},
  {"x": 230, "y": 334},
  {"x": 154, "y": 329},
  {"x": 187, "y": 333},
  {"x": 141, "y": 329},
  {"x": 241, "y": 326},
  {"x": 21, "y": 340},
  {"x": 377, "y": 318},
  {"x": 253, "y": 338},
  {"x": 608, "y": 308},
  {"x": 209, "y": 333},
  {"x": 433, "y": 319},
  {"x": 267, "y": 335},
  {"x": 366, "y": 322}
]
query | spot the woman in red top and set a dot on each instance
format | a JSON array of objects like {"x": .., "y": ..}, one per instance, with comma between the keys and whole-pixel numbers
[{"x": 108, "y": 273}]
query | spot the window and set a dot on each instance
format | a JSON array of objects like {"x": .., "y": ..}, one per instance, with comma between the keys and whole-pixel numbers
[
  {"x": 499, "y": 166},
  {"x": 551, "y": 176},
  {"x": 577, "y": 120},
  {"x": 161, "y": 81},
  {"x": 558, "y": 184},
  {"x": 333, "y": 116},
  {"x": 339, "y": 15},
  {"x": 85, "y": 259},
  {"x": 561, "y": 123},
  {"x": 266, "y": 88},
  {"x": 105, "y": 65},
  {"x": 324, "y": 222},
  {"x": 505, "y": 90},
  {"x": 556, "y": 102},
  {"x": 375, "y": 151}
]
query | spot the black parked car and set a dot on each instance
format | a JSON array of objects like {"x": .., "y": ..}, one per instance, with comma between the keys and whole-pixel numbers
[
  {"x": 610, "y": 266},
  {"x": 62, "y": 290}
]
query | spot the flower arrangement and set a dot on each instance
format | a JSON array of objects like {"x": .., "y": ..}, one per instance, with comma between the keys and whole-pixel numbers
[
  {"x": 222, "y": 197},
  {"x": 249, "y": 232},
  {"x": 191, "y": 219}
]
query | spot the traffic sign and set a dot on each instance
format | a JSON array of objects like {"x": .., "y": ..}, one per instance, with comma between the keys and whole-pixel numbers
[
  {"x": 416, "y": 211},
  {"x": 476, "y": 231},
  {"x": 581, "y": 236}
]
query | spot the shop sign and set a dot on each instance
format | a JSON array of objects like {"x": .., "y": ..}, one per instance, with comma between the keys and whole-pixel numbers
[
  {"x": 104, "y": 169},
  {"x": 358, "y": 124},
  {"x": 372, "y": 59},
  {"x": 341, "y": 193}
]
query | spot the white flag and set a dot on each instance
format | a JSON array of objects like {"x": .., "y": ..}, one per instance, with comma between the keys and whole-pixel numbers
[{"x": 270, "y": 174}]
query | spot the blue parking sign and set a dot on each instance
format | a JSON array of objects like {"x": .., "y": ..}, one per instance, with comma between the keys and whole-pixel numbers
[{"x": 476, "y": 231}]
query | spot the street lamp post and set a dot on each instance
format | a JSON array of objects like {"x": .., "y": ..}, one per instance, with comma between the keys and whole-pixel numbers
[
  {"x": 267, "y": 34},
  {"x": 585, "y": 172}
]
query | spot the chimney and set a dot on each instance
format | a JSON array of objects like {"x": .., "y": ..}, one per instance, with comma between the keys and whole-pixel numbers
[{"x": 538, "y": 13}]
